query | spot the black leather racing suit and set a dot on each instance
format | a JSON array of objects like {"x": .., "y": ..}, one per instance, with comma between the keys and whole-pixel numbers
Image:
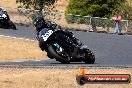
[{"x": 52, "y": 26}]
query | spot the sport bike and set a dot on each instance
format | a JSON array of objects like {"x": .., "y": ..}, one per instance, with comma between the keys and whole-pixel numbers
[
  {"x": 5, "y": 21},
  {"x": 62, "y": 47}
]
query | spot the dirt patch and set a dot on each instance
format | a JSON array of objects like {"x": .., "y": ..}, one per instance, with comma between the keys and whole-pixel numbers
[
  {"x": 54, "y": 78},
  {"x": 12, "y": 49}
]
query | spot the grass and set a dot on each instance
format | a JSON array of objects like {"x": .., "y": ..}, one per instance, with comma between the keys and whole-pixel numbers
[
  {"x": 12, "y": 49},
  {"x": 54, "y": 78}
]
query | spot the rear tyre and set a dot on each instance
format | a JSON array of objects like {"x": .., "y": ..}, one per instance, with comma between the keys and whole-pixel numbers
[
  {"x": 53, "y": 53},
  {"x": 12, "y": 25},
  {"x": 89, "y": 57},
  {"x": 6, "y": 27}
]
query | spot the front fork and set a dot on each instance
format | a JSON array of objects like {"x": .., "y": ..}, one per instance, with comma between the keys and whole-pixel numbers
[{"x": 78, "y": 53}]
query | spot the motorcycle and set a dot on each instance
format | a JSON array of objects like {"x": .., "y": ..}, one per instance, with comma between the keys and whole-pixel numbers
[
  {"x": 62, "y": 48},
  {"x": 5, "y": 21}
]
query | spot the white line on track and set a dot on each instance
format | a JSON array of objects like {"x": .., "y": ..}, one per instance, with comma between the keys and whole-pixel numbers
[
  {"x": 37, "y": 60},
  {"x": 18, "y": 38},
  {"x": 17, "y": 61},
  {"x": 22, "y": 60}
]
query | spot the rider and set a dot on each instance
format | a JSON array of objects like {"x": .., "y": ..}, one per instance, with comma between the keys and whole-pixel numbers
[
  {"x": 3, "y": 10},
  {"x": 40, "y": 24}
]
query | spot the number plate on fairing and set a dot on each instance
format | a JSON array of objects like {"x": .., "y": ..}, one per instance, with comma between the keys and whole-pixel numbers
[{"x": 47, "y": 35}]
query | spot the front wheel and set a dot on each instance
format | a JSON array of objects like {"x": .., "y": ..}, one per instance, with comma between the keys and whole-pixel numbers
[
  {"x": 89, "y": 57},
  {"x": 62, "y": 57}
]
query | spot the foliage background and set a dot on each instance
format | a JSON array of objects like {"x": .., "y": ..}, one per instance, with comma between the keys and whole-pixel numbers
[{"x": 96, "y": 8}]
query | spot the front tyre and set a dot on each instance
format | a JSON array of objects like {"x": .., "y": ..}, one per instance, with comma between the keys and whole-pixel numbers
[
  {"x": 89, "y": 57},
  {"x": 50, "y": 56},
  {"x": 53, "y": 53}
]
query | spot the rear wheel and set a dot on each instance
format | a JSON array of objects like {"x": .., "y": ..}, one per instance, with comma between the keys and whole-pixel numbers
[
  {"x": 6, "y": 27},
  {"x": 89, "y": 57},
  {"x": 62, "y": 56},
  {"x": 12, "y": 25}
]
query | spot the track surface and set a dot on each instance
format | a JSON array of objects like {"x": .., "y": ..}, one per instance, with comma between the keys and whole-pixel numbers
[{"x": 109, "y": 49}]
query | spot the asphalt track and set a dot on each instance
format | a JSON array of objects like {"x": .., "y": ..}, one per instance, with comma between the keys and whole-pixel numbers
[{"x": 109, "y": 49}]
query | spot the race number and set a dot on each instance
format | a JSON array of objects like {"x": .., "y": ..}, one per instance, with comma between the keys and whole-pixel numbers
[{"x": 47, "y": 35}]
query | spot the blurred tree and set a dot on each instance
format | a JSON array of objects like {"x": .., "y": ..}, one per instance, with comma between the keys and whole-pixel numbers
[{"x": 36, "y": 4}]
